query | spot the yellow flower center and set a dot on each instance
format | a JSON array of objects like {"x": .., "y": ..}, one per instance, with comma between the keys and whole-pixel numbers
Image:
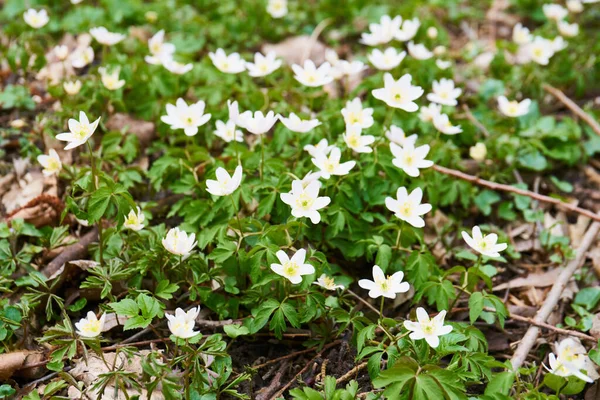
[
  {"x": 53, "y": 164},
  {"x": 406, "y": 209},
  {"x": 428, "y": 328},
  {"x": 290, "y": 268},
  {"x": 329, "y": 166},
  {"x": 353, "y": 141},
  {"x": 409, "y": 160},
  {"x": 513, "y": 107},
  {"x": 91, "y": 327},
  {"x": 304, "y": 201},
  {"x": 328, "y": 282},
  {"x": 82, "y": 132}
]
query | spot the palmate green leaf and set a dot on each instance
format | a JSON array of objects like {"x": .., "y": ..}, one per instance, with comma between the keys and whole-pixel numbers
[
  {"x": 384, "y": 256},
  {"x": 98, "y": 204},
  {"x": 149, "y": 306},
  {"x": 165, "y": 289},
  {"x": 475, "y": 306},
  {"x": 290, "y": 314},
  {"x": 277, "y": 324},
  {"x": 125, "y": 307}
]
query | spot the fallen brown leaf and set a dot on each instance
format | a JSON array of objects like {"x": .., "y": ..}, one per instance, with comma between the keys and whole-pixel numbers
[
  {"x": 144, "y": 130},
  {"x": 11, "y": 363},
  {"x": 534, "y": 280}
]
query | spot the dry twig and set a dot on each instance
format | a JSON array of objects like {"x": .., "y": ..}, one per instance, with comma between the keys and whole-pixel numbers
[
  {"x": 571, "y": 105},
  {"x": 522, "y": 192},
  {"x": 73, "y": 252},
  {"x": 351, "y": 374},
  {"x": 553, "y": 297}
]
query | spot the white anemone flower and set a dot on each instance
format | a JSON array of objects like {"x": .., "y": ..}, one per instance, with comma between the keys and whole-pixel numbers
[
  {"x": 386, "y": 286},
  {"x": 311, "y": 76},
  {"x": 225, "y": 184},
  {"x": 36, "y": 19},
  {"x": 182, "y": 323},
  {"x": 444, "y": 92},
  {"x": 356, "y": 141},
  {"x": 513, "y": 108},
  {"x": 410, "y": 159},
  {"x": 90, "y": 326},
  {"x": 355, "y": 114},
  {"x": 330, "y": 164},
  {"x": 135, "y": 220},
  {"x": 186, "y": 117},
  {"x": 389, "y": 59},
  {"x": 484, "y": 244},
  {"x": 228, "y": 132},
  {"x": 79, "y": 131},
  {"x": 408, "y": 207},
  {"x": 292, "y": 268},
  {"x": 230, "y": 64},
  {"x": 305, "y": 200},
  {"x": 179, "y": 242},
  {"x": 263, "y": 65},
  {"x": 442, "y": 123},
  {"x": 105, "y": 37},
  {"x": 51, "y": 163},
  {"x": 428, "y": 329},
  {"x": 296, "y": 124},
  {"x": 395, "y": 134},
  {"x": 399, "y": 94},
  {"x": 419, "y": 51}
]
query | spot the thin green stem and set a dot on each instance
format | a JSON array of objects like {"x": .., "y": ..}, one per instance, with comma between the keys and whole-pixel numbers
[
  {"x": 262, "y": 157},
  {"x": 95, "y": 185},
  {"x": 381, "y": 307},
  {"x": 237, "y": 214}
]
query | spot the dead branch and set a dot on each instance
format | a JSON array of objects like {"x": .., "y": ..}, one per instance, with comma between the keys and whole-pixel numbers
[
  {"x": 553, "y": 297},
  {"x": 522, "y": 192},
  {"x": 72, "y": 252},
  {"x": 352, "y": 373},
  {"x": 571, "y": 105}
]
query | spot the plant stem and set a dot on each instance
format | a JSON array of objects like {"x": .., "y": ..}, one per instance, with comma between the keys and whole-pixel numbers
[
  {"x": 262, "y": 156},
  {"x": 381, "y": 307},
  {"x": 95, "y": 184},
  {"x": 237, "y": 214}
]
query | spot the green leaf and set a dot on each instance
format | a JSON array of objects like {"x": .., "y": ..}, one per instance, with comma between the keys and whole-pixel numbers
[
  {"x": 125, "y": 307},
  {"x": 98, "y": 204},
  {"x": 236, "y": 330},
  {"x": 136, "y": 322},
  {"x": 384, "y": 256},
  {"x": 149, "y": 306},
  {"x": 165, "y": 289},
  {"x": 475, "y": 306}
]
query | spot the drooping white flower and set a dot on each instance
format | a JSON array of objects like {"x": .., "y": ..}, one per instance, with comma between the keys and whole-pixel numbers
[
  {"x": 90, "y": 326},
  {"x": 228, "y": 132},
  {"x": 310, "y": 75},
  {"x": 179, "y": 242},
  {"x": 399, "y": 94},
  {"x": 327, "y": 283},
  {"x": 225, "y": 183},
  {"x": 428, "y": 113},
  {"x": 257, "y": 123},
  {"x": 305, "y": 201},
  {"x": 159, "y": 49},
  {"x": 111, "y": 80},
  {"x": 311, "y": 177},
  {"x": 408, "y": 207},
  {"x": 555, "y": 12},
  {"x": 176, "y": 67},
  {"x": 574, "y": 6},
  {"x": 386, "y": 286},
  {"x": 409, "y": 30},
  {"x": 292, "y": 268},
  {"x": 182, "y": 323},
  {"x": 441, "y": 64},
  {"x": 330, "y": 164},
  {"x": 389, "y": 59},
  {"x": 442, "y": 123},
  {"x": 410, "y": 159},
  {"x": 79, "y": 131},
  {"x": 230, "y": 64},
  {"x": 277, "y": 8},
  {"x": 484, "y": 244},
  {"x": 513, "y": 108},
  {"x": 444, "y": 92},
  {"x": 72, "y": 88},
  {"x": 263, "y": 65},
  {"x": 419, "y": 51},
  {"x": 322, "y": 147},
  {"x": 428, "y": 329},
  {"x": 61, "y": 52},
  {"x": 135, "y": 220},
  {"x": 83, "y": 57},
  {"x": 50, "y": 162},
  {"x": 356, "y": 141},
  {"x": 186, "y": 117},
  {"x": 478, "y": 152},
  {"x": 355, "y": 114},
  {"x": 234, "y": 113},
  {"x": 567, "y": 29},
  {"x": 382, "y": 32},
  {"x": 105, "y": 37},
  {"x": 570, "y": 360},
  {"x": 397, "y": 135},
  {"x": 295, "y": 124},
  {"x": 521, "y": 34},
  {"x": 36, "y": 19}
]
